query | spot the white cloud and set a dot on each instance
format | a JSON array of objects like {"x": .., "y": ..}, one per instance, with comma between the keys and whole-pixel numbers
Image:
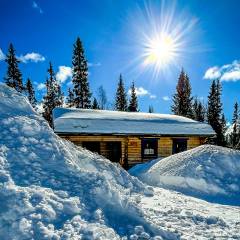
[
  {"x": 212, "y": 73},
  {"x": 41, "y": 86},
  {"x": 32, "y": 57},
  {"x": 37, "y": 7},
  {"x": 227, "y": 72},
  {"x": 98, "y": 64},
  {"x": 63, "y": 73},
  {"x": 2, "y": 55},
  {"x": 166, "y": 98},
  {"x": 152, "y": 96},
  {"x": 140, "y": 91},
  {"x": 231, "y": 76}
]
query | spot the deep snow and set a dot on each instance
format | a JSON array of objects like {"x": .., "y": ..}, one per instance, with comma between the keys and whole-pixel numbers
[
  {"x": 50, "y": 189},
  {"x": 209, "y": 172}
]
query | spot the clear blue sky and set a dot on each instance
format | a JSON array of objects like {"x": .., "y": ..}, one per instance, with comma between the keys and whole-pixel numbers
[{"x": 112, "y": 34}]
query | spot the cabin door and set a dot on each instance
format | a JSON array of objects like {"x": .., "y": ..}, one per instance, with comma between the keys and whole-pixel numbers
[{"x": 114, "y": 151}]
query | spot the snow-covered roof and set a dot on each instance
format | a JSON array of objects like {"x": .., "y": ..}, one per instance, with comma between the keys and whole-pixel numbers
[{"x": 88, "y": 121}]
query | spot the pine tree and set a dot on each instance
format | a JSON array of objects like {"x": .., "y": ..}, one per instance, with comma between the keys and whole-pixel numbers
[
  {"x": 70, "y": 98},
  {"x": 201, "y": 112},
  {"x": 80, "y": 77},
  {"x": 133, "y": 103},
  {"x": 182, "y": 100},
  {"x": 224, "y": 123},
  {"x": 95, "y": 104},
  {"x": 102, "y": 98},
  {"x": 195, "y": 108},
  {"x": 214, "y": 111},
  {"x": 150, "y": 109},
  {"x": 198, "y": 110},
  {"x": 53, "y": 97},
  {"x": 235, "y": 135},
  {"x": 30, "y": 93},
  {"x": 121, "y": 96},
  {"x": 13, "y": 76},
  {"x": 235, "y": 113}
]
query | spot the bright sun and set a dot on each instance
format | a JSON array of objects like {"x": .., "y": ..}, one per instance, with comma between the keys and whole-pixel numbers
[
  {"x": 160, "y": 50},
  {"x": 162, "y": 39}
]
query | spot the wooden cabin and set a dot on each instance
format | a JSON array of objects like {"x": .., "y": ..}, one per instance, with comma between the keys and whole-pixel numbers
[{"x": 129, "y": 138}]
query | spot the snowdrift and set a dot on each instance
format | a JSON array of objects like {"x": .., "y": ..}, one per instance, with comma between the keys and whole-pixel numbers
[
  {"x": 209, "y": 172},
  {"x": 47, "y": 183},
  {"x": 50, "y": 189}
]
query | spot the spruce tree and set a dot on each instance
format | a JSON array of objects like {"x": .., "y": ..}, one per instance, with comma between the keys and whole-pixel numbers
[
  {"x": 201, "y": 112},
  {"x": 182, "y": 100},
  {"x": 30, "y": 93},
  {"x": 198, "y": 110},
  {"x": 102, "y": 98},
  {"x": 224, "y": 123},
  {"x": 70, "y": 98},
  {"x": 95, "y": 104},
  {"x": 80, "y": 77},
  {"x": 133, "y": 103},
  {"x": 150, "y": 109},
  {"x": 234, "y": 136},
  {"x": 235, "y": 113},
  {"x": 214, "y": 111},
  {"x": 195, "y": 108},
  {"x": 13, "y": 76},
  {"x": 121, "y": 96},
  {"x": 53, "y": 97}
]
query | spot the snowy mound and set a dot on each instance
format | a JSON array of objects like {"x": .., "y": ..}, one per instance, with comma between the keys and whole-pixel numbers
[
  {"x": 208, "y": 171},
  {"x": 50, "y": 189},
  {"x": 46, "y": 182}
]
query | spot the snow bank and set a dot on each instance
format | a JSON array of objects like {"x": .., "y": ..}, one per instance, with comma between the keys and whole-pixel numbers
[
  {"x": 210, "y": 172},
  {"x": 47, "y": 183}
]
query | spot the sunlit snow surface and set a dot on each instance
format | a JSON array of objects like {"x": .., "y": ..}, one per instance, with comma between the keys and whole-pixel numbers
[
  {"x": 50, "y": 189},
  {"x": 208, "y": 172}
]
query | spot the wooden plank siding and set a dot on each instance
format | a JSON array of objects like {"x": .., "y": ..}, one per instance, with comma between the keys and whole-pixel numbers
[{"x": 131, "y": 145}]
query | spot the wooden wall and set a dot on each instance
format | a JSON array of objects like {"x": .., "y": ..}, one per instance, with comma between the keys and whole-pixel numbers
[{"x": 131, "y": 146}]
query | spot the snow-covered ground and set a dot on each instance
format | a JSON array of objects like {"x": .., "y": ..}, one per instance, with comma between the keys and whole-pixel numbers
[
  {"x": 50, "y": 189},
  {"x": 209, "y": 172}
]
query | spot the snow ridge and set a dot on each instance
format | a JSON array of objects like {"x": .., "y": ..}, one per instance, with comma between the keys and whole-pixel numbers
[
  {"x": 48, "y": 182},
  {"x": 209, "y": 172}
]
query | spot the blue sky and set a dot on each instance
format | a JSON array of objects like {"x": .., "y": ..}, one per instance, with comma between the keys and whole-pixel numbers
[{"x": 114, "y": 34}]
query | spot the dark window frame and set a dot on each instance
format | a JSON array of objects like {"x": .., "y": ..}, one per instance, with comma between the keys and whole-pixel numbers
[
  {"x": 183, "y": 141},
  {"x": 154, "y": 145}
]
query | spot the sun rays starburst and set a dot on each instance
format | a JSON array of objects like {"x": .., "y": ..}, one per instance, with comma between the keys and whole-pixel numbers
[
  {"x": 160, "y": 50},
  {"x": 162, "y": 38}
]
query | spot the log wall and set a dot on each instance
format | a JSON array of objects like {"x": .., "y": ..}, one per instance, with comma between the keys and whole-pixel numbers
[{"x": 131, "y": 145}]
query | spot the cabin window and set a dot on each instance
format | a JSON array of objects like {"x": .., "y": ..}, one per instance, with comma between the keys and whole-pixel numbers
[
  {"x": 92, "y": 146},
  {"x": 179, "y": 145},
  {"x": 149, "y": 148}
]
